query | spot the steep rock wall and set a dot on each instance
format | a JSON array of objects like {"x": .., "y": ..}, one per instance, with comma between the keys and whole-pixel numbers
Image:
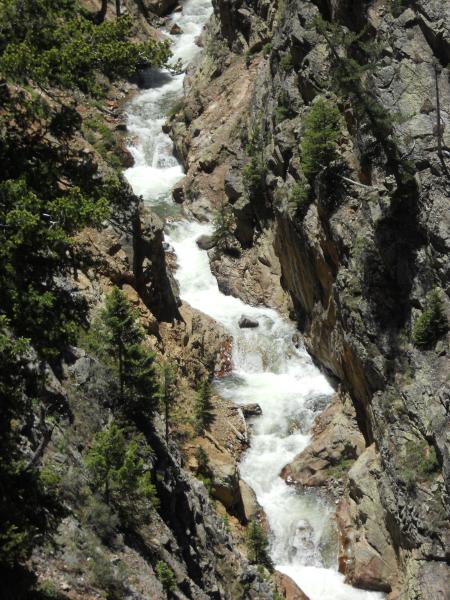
[{"x": 359, "y": 258}]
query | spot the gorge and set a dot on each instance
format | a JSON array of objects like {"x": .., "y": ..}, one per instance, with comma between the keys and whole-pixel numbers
[{"x": 224, "y": 308}]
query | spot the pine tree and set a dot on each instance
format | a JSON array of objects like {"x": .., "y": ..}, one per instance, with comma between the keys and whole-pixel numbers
[
  {"x": 322, "y": 130},
  {"x": 257, "y": 544},
  {"x": 204, "y": 412},
  {"x": 124, "y": 331},
  {"x": 21, "y": 510},
  {"x": 167, "y": 392},
  {"x": 140, "y": 384},
  {"x": 432, "y": 323},
  {"x": 117, "y": 467},
  {"x": 223, "y": 226},
  {"x": 166, "y": 576}
]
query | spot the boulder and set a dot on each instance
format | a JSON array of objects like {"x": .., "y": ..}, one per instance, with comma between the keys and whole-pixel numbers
[
  {"x": 247, "y": 322},
  {"x": 225, "y": 481},
  {"x": 160, "y": 7},
  {"x": 178, "y": 194},
  {"x": 250, "y": 507},
  {"x": 335, "y": 444},
  {"x": 206, "y": 242},
  {"x": 288, "y": 587},
  {"x": 176, "y": 30},
  {"x": 366, "y": 556},
  {"x": 251, "y": 410}
]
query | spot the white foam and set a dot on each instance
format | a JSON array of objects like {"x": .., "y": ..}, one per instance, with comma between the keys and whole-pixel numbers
[{"x": 267, "y": 367}]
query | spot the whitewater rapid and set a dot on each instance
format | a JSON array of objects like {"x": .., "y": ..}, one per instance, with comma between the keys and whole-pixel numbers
[{"x": 267, "y": 366}]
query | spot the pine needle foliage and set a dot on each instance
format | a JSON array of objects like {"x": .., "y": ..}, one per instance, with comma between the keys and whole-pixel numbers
[
  {"x": 432, "y": 323},
  {"x": 135, "y": 364},
  {"x": 54, "y": 42},
  {"x": 204, "y": 410},
  {"x": 117, "y": 467},
  {"x": 27, "y": 512},
  {"x": 319, "y": 142},
  {"x": 166, "y": 576},
  {"x": 257, "y": 544},
  {"x": 223, "y": 226}
]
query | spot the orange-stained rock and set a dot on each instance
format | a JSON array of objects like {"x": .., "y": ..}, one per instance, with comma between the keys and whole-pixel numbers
[{"x": 288, "y": 587}]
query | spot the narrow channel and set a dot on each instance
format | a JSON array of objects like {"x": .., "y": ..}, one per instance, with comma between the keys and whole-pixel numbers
[{"x": 267, "y": 368}]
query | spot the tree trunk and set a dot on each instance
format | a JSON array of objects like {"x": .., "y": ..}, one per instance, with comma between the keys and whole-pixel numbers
[
  {"x": 167, "y": 420},
  {"x": 100, "y": 17},
  {"x": 117, "y": 8},
  {"x": 121, "y": 373}
]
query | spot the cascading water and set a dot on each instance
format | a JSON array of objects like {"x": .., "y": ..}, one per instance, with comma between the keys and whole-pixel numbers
[{"x": 267, "y": 367}]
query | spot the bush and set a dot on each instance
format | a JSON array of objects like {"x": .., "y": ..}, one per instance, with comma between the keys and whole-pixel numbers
[
  {"x": 117, "y": 468},
  {"x": 254, "y": 175},
  {"x": 286, "y": 63},
  {"x": 266, "y": 49},
  {"x": 223, "y": 226},
  {"x": 432, "y": 323},
  {"x": 166, "y": 576},
  {"x": 99, "y": 516},
  {"x": 420, "y": 463},
  {"x": 257, "y": 544},
  {"x": 202, "y": 460},
  {"x": 300, "y": 196},
  {"x": 54, "y": 42},
  {"x": 322, "y": 130},
  {"x": 204, "y": 411}
]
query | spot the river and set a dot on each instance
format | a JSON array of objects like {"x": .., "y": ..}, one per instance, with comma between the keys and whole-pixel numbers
[{"x": 267, "y": 368}]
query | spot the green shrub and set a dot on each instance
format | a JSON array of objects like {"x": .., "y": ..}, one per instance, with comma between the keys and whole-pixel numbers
[
  {"x": 257, "y": 544},
  {"x": 47, "y": 590},
  {"x": 300, "y": 195},
  {"x": 322, "y": 130},
  {"x": 254, "y": 175},
  {"x": 117, "y": 468},
  {"x": 397, "y": 7},
  {"x": 202, "y": 460},
  {"x": 266, "y": 49},
  {"x": 432, "y": 323},
  {"x": 286, "y": 63},
  {"x": 166, "y": 576},
  {"x": 420, "y": 463},
  {"x": 98, "y": 516},
  {"x": 223, "y": 226},
  {"x": 54, "y": 42},
  {"x": 204, "y": 411}
]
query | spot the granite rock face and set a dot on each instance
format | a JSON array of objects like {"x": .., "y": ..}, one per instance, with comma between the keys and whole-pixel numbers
[{"x": 359, "y": 258}]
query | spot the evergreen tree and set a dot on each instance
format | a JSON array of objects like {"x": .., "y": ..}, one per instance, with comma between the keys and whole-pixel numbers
[
  {"x": 124, "y": 331},
  {"x": 53, "y": 41},
  {"x": 204, "y": 412},
  {"x": 26, "y": 512},
  {"x": 432, "y": 323},
  {"x": 140, "y": 384},
  {"x": 257, "y": 544},
  {"x": 117, "y": 467},
  {"x": 167, "y": 392},
  {"x": 166, "y": 576},
  {"x": 223, "y": 226},
  {"x": 322, "y": 130}
]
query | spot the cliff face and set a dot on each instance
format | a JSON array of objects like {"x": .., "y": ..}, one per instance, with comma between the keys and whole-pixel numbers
[{"x": 361, "y": 254}]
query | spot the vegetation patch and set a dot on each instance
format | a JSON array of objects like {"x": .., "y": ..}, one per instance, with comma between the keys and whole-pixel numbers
[{"x": 432, "y": 323}]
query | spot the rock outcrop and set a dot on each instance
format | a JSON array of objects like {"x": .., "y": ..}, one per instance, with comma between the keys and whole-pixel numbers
[
  {"x": 359, "y": 257},
  {"x": 336, "y": 444}
]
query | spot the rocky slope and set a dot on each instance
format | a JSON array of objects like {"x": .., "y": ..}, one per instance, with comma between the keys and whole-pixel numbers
[
  {"x": 90, "y": 549},
  {"x": 359, "y": 257}
]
